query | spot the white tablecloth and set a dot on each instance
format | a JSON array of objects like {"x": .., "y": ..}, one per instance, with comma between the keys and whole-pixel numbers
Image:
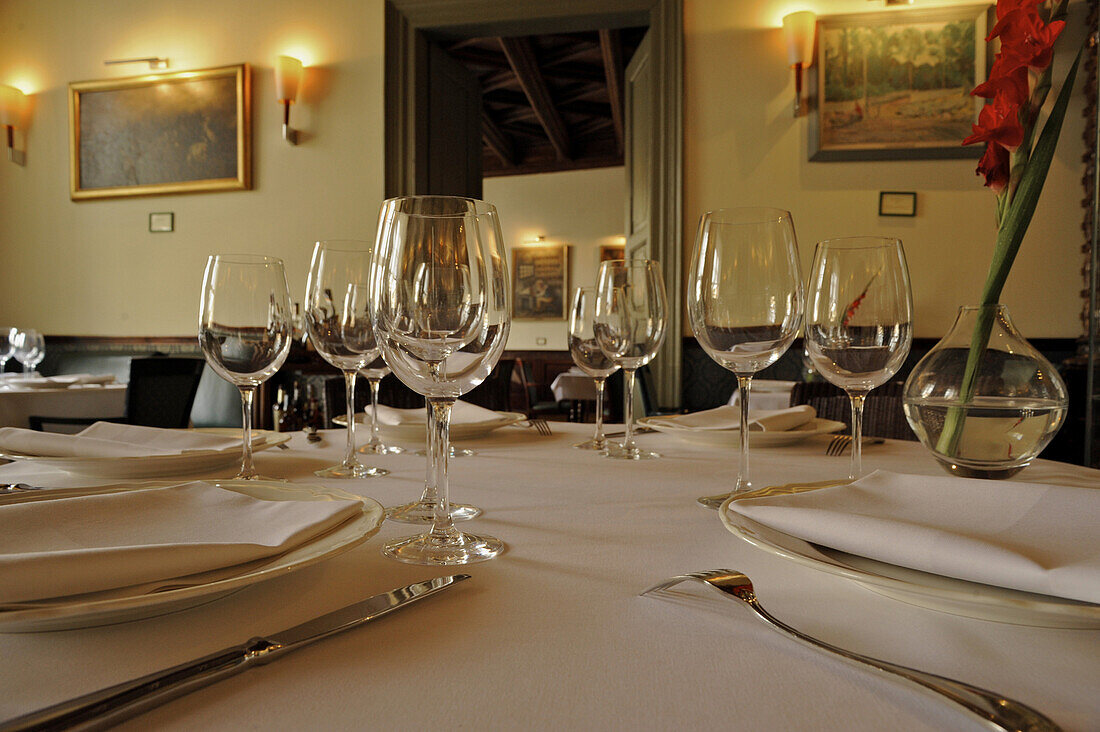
[
  {"x": 18, "y": 403},
  {"x": 573, "y": 384},
  {"x": 764, "y": 394},
  {"x": 553, "y": 635}
]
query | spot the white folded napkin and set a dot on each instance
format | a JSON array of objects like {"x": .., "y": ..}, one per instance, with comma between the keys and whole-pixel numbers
[
  {"x": 461, "y": 413},
  {"x": 110, "y": 439},
  {"x": 70, "y": 546},
  {"x": 1025, "y": 536},
  {"x": 729, "y": 418}
]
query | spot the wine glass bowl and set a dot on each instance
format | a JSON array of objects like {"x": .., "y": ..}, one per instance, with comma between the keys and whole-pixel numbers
[
  {"x": 859, "y": 319},
  {"x": 244, "y": 329},
  {"x": 440, "y": 287},
  {"x": 629, "y": 324},
  {"x": 589, "y": 357},
  {"x": 744, "y": 301},
  {"x": 339, "y": 317}
]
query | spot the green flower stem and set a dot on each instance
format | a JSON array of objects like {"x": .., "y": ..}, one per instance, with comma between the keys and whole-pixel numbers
[{"x": 1010, "y": 234}]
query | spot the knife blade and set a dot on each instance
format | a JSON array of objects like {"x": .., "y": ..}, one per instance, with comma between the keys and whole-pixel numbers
[{"x": 109, "y": 706}]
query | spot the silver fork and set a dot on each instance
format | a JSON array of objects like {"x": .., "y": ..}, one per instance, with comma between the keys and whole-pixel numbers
[
  {"x": 1003, "y": 713},
  {"x": 541, "y": 426},
  {"x": 838, "y": 445}
]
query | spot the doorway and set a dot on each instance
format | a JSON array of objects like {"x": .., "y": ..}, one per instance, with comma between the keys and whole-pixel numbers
[{"x": 420, "y": 145}]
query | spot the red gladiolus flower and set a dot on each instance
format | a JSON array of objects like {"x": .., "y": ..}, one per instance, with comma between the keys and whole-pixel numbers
[
  {"x": 1009, "y": 77},
  {"x": 995, "y": 166},
  {"x": 1025, "y": 39},
  {"x": 998, "y": 123}
]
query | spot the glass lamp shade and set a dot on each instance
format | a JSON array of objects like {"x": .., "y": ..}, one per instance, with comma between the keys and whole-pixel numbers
[{"x": 798, "y": 34}]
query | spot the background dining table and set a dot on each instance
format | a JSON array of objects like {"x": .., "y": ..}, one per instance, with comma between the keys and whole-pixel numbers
[
  {"x": 553, "y": 633},
  {"x": 18, "y": 402}
]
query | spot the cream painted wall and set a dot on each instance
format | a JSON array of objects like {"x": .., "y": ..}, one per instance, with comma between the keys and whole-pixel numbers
[
  {"x": 582, "y": 208},
  {"x": 92, "y": 268},
  {"x": 742, "y": 147}
]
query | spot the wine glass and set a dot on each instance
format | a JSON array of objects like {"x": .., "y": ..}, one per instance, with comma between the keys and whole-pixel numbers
[
  {"x": 244, "y": 329},
  {"x": 29, "y": 348},
  {"x": 7, "y": 348},
  {"x": 440, "y": 285},
  {"x": 744, "y": 301},
  {"x": 338, "y": 316},
  {"x": 588, "y": 356},
  {"x": 374, "y": 372},
  {"x": 859, "y": 319},
  {"x": 629, "y": 323}
]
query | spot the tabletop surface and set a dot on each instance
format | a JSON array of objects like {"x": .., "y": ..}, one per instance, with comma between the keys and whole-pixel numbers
[{"x": 553, "y": 633}]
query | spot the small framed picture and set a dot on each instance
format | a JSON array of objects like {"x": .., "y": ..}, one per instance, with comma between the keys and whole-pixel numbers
[
  {"x": 612, "y": 251},
  {"x": 162, "y": 222},
  {"x": 897, "y": 203},
  {"x": 540, "y": 282}
]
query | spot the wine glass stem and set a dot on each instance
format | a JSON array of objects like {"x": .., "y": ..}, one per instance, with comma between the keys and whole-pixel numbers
[
  {"x": 744, "y": 385},
  {"x": 856, "y": 468},
  {"x": 349, "y": 392},
  {"x": 248, "y": 470},
  {"x": 628, "y": 401},
  {"x": 598, "y": 439},
  {"x": 439, "y": 445},
  {"x": 374, "y": 410}
]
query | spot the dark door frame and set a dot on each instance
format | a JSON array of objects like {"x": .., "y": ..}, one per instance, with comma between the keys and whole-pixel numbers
[{"x": 408, "y": 22}]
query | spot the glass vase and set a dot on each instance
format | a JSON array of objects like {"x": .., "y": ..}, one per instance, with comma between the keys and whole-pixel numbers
[{"x": 983, "y": 400}]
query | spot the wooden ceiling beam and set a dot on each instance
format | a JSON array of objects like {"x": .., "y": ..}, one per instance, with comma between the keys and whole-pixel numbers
[
  {"x": 611, "y": 48},
  {"x": 496, "y": 140},
  {"x": 521, "y": 55}
]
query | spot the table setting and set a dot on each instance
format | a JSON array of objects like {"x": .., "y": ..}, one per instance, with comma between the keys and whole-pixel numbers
[{"x": 580, "y": 576}]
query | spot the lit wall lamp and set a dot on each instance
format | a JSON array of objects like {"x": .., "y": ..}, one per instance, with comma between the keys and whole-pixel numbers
[
  {"x": 288, "y": 77},
  {"x": 13, "y": 108},
  {"x": 798, "y": 32}
]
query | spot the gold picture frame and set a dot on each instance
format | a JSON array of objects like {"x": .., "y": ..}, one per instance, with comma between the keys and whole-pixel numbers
[
  {"x": 158, "y": 134},
  {"x": 540, "y": 282},
  {"x": 610, "y": 252}
]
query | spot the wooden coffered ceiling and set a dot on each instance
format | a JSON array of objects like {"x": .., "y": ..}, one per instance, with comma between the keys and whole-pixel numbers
[{"x": 550, "y": 102}]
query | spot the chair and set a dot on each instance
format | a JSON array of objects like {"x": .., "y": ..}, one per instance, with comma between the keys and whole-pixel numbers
[
  {"x": 160, "y": 393},
  {"x": 882, "y": 410},
  {"x": 496, "y": 391},
  {"x": 534, "y": 403}
]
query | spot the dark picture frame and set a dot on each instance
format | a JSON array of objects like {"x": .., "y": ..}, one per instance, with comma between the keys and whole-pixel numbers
[
  {"x": 540, "y": 282},
  {"x": 159, "y": 134},
  {"x": 896, "y": 85},
  {"x": 897, "y": 203}
]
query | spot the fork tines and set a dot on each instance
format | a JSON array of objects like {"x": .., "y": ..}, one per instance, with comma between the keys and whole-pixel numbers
[{"x": 838, "y": 445}]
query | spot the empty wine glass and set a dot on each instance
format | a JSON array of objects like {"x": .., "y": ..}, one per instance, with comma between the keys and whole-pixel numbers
[
  {"x": 744, "y": 301},
  {"x": 859, "y": 319},
  {"x": 244, "y": 329},
  {"x": 339, "y": 319},
  {"x": 440, "y": 285},
  {"x": 630, "y": 322},
  {"x": 589, "y": 357},
  {"x": 29, "y": 348},
  {"x": 374, "y": 372},
  {"x": 7, "y": 347}
]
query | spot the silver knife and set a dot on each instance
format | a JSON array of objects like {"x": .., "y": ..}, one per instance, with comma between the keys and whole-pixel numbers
[{"x": 106, "y": 707}]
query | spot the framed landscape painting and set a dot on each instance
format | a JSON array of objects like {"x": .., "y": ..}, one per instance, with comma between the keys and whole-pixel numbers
[
  {"x": 161, "y": 133},
  {"x": 896, "y": 85},
  {"x": 540, "y": 282}
]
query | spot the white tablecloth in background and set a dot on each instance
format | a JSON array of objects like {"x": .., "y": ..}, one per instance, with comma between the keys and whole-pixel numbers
[
  {"x": 553, "y": 635},
  {"x": 573, "y": 384},
  {"x": 18, "y": 403},
  {"x": 764, "y": 394}
]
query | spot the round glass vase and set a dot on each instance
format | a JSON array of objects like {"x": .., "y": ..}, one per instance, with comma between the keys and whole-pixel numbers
[{"x": 1012, "y": 408}]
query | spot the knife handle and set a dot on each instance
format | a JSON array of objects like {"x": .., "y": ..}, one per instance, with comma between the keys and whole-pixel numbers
[{"x": 106, "y": 707}]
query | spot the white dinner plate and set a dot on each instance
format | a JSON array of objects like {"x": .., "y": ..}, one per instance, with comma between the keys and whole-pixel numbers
[
  {"x": 414, "y": 432},
  {"x": 732, "y": 438},
  {"x": 933, "y": 591},
  {"x": 151, "y": 466},
  {"x": 120, "y": 605}
]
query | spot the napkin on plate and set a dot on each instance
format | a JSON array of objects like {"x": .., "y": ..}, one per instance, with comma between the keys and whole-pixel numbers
[
  {"x": 70, "y": 546},
  {"x": 729, "y": 418},
  {"x": 461, "y": 413},
  {"x": 110, "y": 439},
  {"x": 1025, "y": 536}
]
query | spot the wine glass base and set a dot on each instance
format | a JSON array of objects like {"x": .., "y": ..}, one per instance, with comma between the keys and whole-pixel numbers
[
  {"x": 600, "y": 446},
  {"x": 423, "y": 512},
  {"x": 257, "y": 477},
  {"x": 456, "y": 452},
  {"x": 380, "y": 449},
  {"x": 351, "y": 471},
  {"x": 458, "y": 548},
  {"x": 616, "y": 452}
]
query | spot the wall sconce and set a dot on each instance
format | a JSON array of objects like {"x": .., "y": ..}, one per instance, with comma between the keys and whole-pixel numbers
[
  {"x": 798, "y": 32},
  {"x": 288, "y": 77},
  {"x": 13, "y": 107}
]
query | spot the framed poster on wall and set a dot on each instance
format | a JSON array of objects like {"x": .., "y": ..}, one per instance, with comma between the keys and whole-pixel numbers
[
  {"x": 157, "y": 134},
  {"x": 540, "y": 282}
]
